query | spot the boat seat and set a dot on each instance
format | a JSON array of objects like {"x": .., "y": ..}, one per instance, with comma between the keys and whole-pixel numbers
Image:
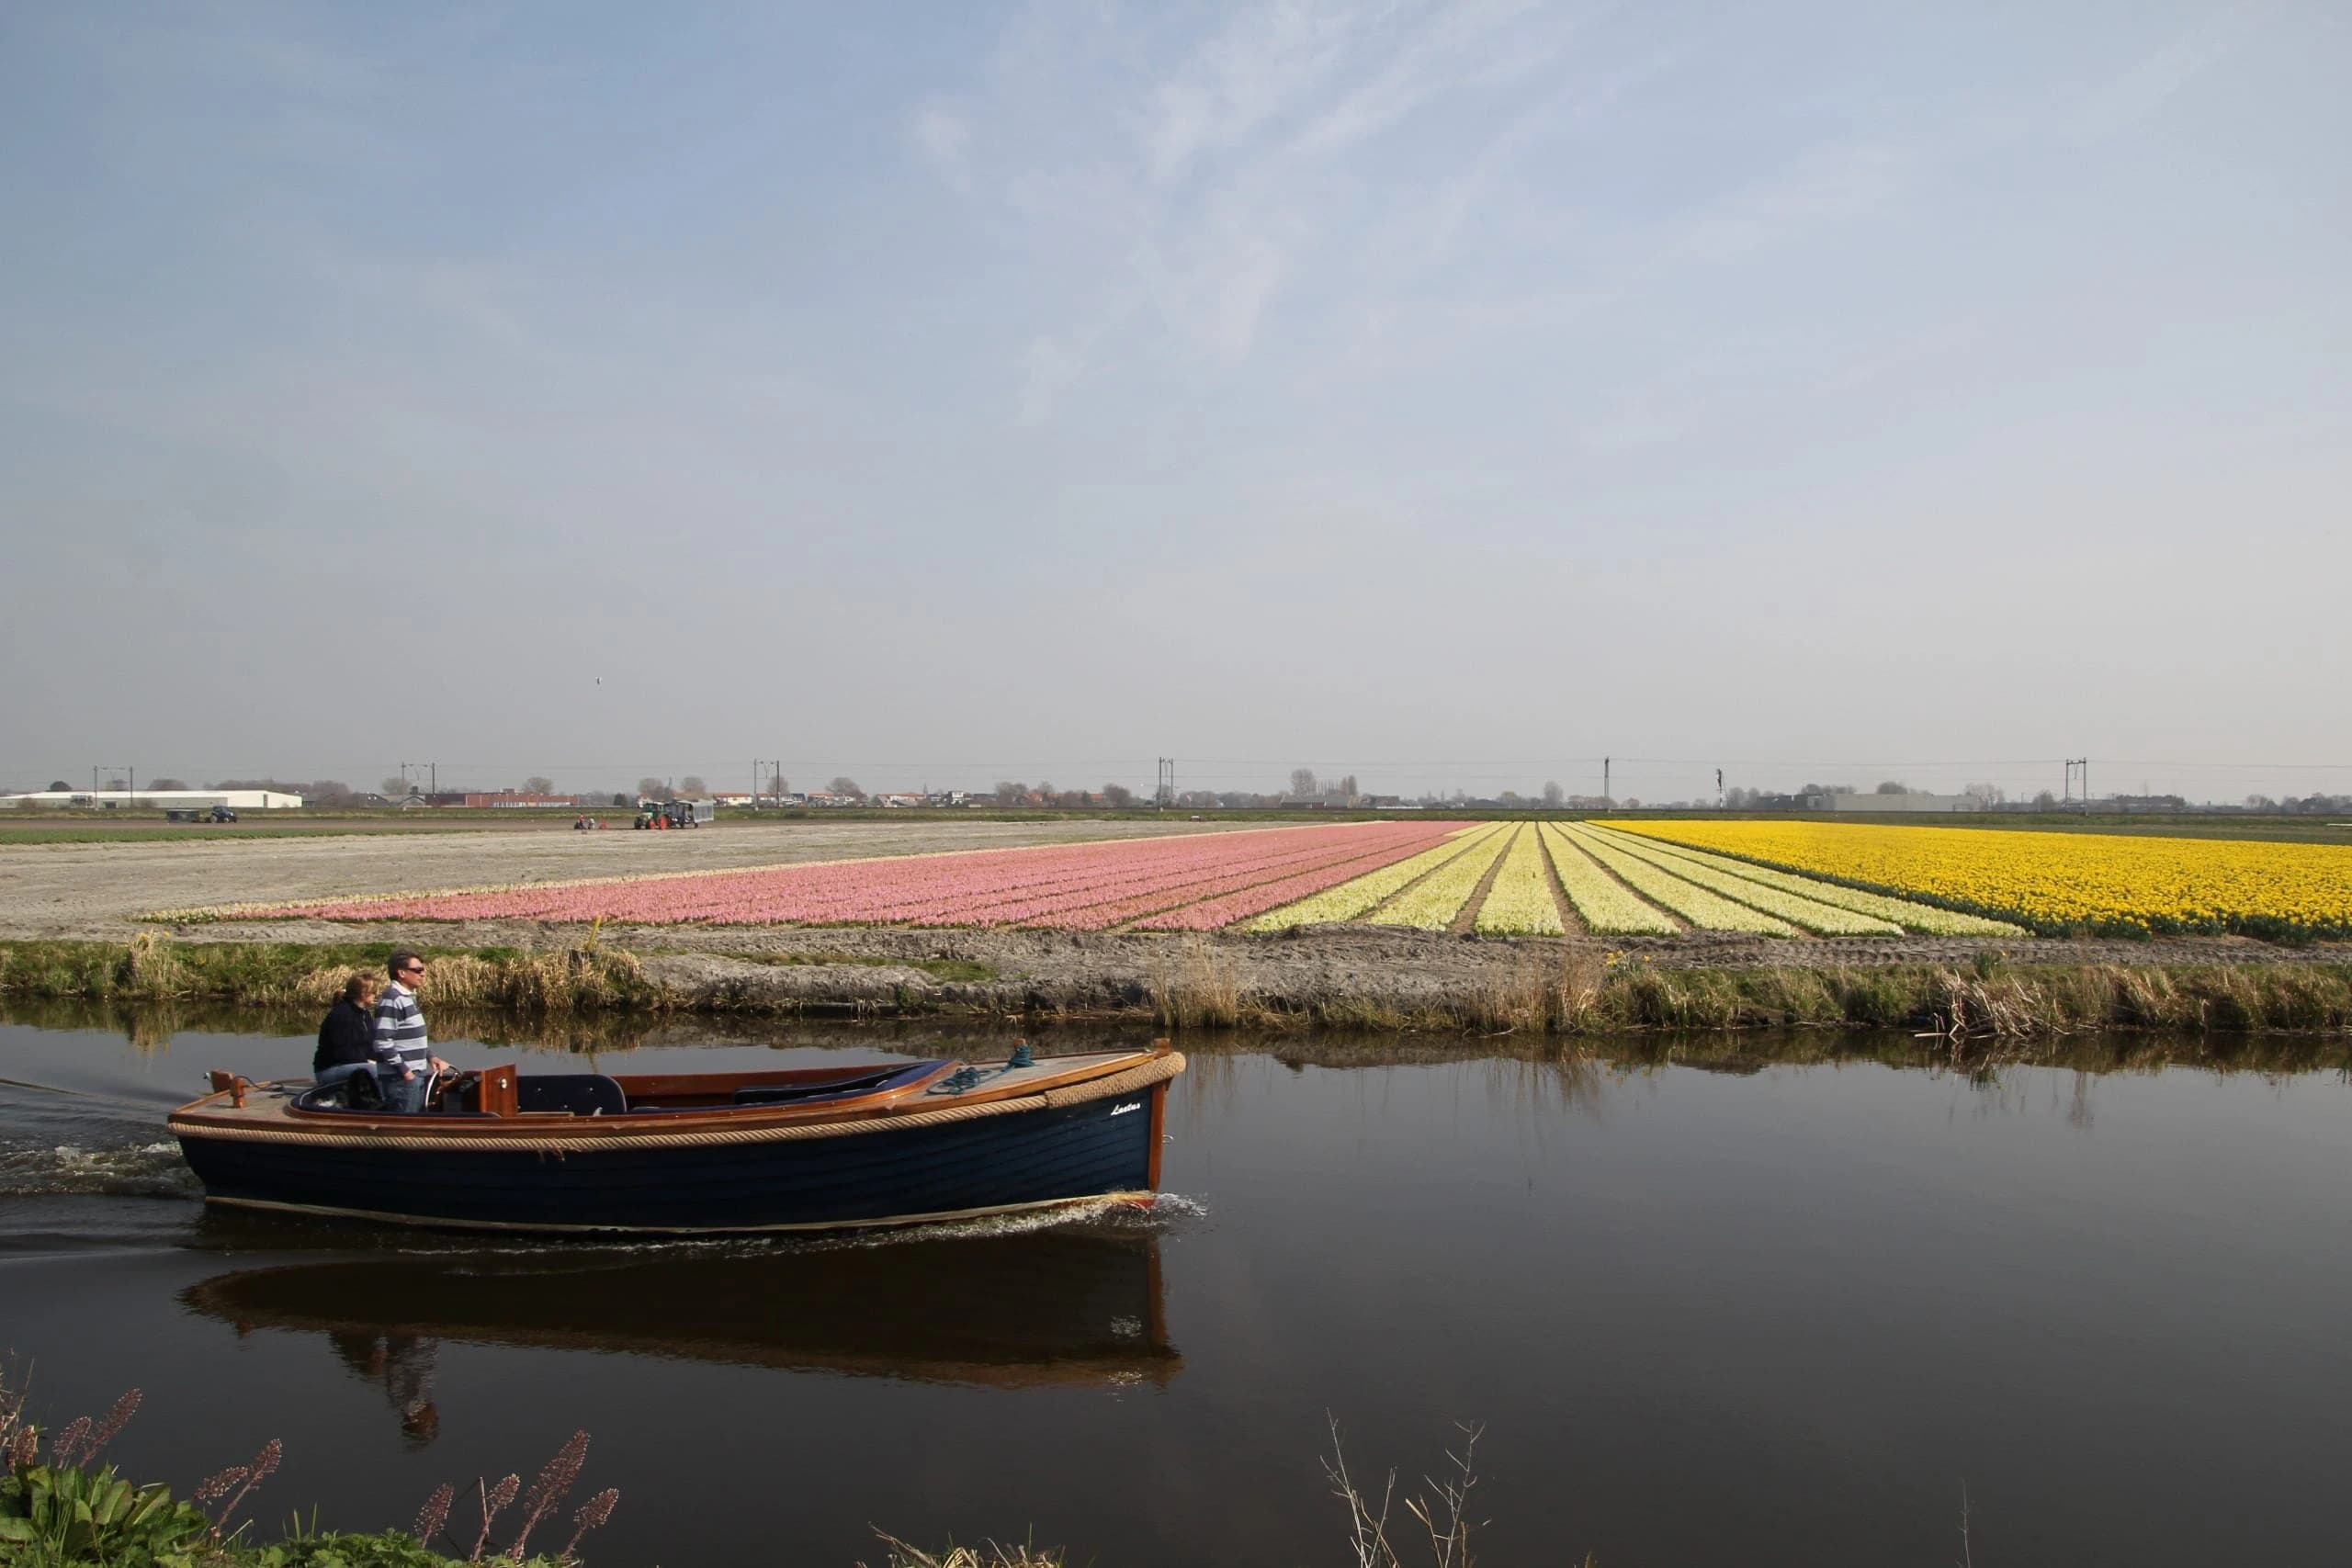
[{"x": 583, "y": 1094}]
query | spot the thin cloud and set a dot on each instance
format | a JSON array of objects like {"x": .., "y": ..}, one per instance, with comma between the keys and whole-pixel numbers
[
  {"x": 943, "y": 139},
  {"x": 2142, "y": 91},
  {"x": 1826, "y": 184}
]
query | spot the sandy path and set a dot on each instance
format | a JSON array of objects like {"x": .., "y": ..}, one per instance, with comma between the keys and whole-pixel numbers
[{"x": 98, "y": 890}]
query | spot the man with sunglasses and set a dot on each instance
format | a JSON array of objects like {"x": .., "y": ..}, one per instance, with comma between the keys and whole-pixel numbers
[{"x": 404, "y": 1057}]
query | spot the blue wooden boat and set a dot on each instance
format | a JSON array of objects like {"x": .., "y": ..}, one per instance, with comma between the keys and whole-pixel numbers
[{"x": 887, "y": 1143}]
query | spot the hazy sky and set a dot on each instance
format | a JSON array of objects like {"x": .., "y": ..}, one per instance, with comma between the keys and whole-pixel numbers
[{"x": 941, "y": 394}]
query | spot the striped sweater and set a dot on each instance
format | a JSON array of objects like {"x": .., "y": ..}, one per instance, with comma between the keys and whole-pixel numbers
[{"x": 400, "y": 1030}]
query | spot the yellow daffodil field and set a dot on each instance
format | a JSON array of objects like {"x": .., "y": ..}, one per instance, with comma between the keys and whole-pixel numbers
[{"x": 2052, "y": 883}]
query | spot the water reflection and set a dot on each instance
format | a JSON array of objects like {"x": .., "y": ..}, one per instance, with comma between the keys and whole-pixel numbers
[
  {"x": 403, "y": 1363},
  {"x": 1049, "y": 1308}
]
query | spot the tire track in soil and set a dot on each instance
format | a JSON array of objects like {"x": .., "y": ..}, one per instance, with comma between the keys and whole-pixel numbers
[{"x": 1467, "y": 919}]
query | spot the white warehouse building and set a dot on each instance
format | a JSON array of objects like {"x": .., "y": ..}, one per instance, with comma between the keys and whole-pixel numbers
[{"x": 159, "y": 799}]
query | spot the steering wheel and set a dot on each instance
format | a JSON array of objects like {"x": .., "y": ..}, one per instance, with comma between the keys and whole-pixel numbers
[{"x": 451, "y": 1086}]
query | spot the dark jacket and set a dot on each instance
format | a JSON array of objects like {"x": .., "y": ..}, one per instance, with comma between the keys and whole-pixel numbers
[{"x": 345, "y": 1038}]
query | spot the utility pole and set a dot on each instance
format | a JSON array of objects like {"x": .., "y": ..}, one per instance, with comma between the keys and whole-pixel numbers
[
  {"x": 1605, "y": 799},
  {"x": 1719, "y": 789},
  {"x": 1164, "y": 793}
]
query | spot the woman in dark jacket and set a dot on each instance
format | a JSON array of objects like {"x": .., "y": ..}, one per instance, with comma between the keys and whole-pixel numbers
[{"x": 347, "y": 1037}]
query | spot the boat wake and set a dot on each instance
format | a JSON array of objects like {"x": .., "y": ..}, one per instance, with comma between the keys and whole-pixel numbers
[{"x": 133, "y": 1170}]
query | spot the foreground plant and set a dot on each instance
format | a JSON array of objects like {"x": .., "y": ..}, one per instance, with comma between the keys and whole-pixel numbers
[
  {"x": 56, "y": 1510},
  {"x": 1442, "y": 1512},
  {"x": 992, "y": 1555}
]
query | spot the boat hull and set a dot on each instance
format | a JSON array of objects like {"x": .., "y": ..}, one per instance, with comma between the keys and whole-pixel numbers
[{"x": 1035, "y": 1157}]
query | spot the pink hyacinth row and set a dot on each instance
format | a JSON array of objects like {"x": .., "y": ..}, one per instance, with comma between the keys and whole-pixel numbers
[{"x": 1193, "y": 883}]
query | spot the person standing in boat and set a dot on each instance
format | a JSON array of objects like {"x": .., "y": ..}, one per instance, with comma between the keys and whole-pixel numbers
[
  {"x": 347, "y": 1035},
  {"x": 403, "y": 1055}
]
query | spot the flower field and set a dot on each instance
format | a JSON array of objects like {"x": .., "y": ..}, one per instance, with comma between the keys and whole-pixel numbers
[
  {"x": 2056, "y": 882},
  {"x": 1779, "y": 879},
  {"x": 1186, "y": 882},
  {"x": 1607, "y": 906},
  {"x": 1433, "y": 904},
  {"x": 1366, "y": 892},
  {"x": 1521, "y": 902}
]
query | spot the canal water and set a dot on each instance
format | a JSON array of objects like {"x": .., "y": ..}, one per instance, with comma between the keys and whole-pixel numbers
[{"x": 1786, "y": 1315}]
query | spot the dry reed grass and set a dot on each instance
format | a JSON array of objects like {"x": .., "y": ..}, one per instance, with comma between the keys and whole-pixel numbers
[
  {"x": 1201, "y": 991},
  {"x": 992, "y": 1555}
]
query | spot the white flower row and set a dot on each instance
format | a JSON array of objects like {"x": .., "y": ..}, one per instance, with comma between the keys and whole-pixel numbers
[
  {"x": 1365, "y": 894},
  {"x": 1520, "y": 903},
  {"x": 1708, "y": 911},
  {"x": 1802, "y": 910},
  {"x": 1607, "y": 908},
  {"x": 1433, "y": 904}
]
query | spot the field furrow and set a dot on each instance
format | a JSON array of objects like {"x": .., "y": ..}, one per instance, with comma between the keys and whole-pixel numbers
[
  {"x": 1364, "y": 894},
  {"x": 1708, "y": 911},
  {"x": 1521, "y": 901},
  {"x": 1805, "y": 913},
  {"x": 1605, "y": 904}
]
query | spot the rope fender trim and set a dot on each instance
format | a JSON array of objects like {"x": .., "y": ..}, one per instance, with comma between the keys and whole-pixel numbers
[{"x": 1156, "y": 1071}]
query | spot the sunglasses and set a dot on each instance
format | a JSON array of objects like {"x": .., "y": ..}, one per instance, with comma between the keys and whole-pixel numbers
[{"x": 413, "y": 969}]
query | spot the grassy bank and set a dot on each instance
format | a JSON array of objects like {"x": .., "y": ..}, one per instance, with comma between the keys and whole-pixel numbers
[
  {"x": 1200, "y": 986},
  {"x": 150, "y": 968},
  {"x": 1989, "y": 999}
]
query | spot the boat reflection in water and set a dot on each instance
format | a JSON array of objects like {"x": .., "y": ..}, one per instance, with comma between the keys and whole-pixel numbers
[{"x": 1062, "y": 1308}]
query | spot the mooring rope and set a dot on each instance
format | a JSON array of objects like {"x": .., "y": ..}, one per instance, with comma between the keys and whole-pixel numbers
[{"x": 1159, "y": 1069}]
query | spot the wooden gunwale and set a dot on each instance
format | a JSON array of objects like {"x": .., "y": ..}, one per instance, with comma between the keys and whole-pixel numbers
[{"x": 205, "y": 1114}]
